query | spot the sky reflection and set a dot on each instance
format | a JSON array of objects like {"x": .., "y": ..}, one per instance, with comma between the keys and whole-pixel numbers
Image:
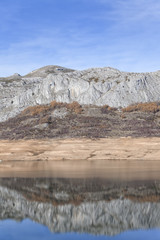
[{"x": 27, "y": 229}]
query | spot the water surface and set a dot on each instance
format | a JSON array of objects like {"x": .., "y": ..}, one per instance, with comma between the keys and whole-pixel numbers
[
  {"x": 28, "y": 229},
  {"x": 76, "y": 208}
]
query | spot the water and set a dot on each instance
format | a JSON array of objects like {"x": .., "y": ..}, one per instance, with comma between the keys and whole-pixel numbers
[
  {"x": 72, "y": 208},
  {"x": 28, "y": 229}
]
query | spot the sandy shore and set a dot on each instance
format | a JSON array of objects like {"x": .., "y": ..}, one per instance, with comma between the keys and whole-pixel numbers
[{"x": 116, "y": 158}]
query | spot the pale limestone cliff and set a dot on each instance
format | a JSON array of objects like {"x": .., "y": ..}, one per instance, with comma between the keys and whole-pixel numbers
[{"x": 98, "y": 86}]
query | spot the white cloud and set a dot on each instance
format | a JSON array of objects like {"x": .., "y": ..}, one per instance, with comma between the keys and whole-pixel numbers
[{"x": 131, "y": 11}]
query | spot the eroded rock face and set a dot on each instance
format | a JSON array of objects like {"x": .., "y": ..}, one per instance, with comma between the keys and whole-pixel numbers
[{"x": 98, "y": 86}]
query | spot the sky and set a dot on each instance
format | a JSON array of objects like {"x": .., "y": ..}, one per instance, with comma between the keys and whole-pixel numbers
[{"x": 79, "y": 34}]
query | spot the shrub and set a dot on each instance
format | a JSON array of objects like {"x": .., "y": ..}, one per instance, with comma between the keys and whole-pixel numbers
[
  {"x": 107, "y": 108},
  {"x": 55, "y": 104},
  {"x": 41, "y": 109},
  {"x": 144, "y": 107},
  {"x": 35, "y": 110},
  {"x": 75, "y": 106}
]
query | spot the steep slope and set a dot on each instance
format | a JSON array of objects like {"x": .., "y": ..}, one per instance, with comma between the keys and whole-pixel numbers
[{"x": 97, "y": 86}]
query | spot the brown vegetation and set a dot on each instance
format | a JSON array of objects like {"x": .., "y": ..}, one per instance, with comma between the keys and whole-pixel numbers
[
  {"x": 55, "y": 104},
  {"x": 143, "y": 107},
  {"x": 89, "y": 121},
  {"x": 41, "y": 109},
  {"x": 107, "y": 108},
  {"x": 34, "y": 110},
  {"x": 75, "y": 106}
]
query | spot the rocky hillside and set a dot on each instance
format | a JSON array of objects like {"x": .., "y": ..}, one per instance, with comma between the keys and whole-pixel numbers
[
  {"x": 62, "y": 120},
  {"x": 97, "y": 86}
]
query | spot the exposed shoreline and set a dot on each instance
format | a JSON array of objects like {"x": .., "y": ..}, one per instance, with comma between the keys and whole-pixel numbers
[{"x": 119, "y": 158}]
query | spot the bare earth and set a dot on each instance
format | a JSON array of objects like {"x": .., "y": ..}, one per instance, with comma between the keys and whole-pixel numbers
[{"x": 120, "y": 158}]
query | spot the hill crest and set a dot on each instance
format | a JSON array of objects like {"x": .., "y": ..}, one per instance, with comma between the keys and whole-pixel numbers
[{"x": 97, "y": 86}]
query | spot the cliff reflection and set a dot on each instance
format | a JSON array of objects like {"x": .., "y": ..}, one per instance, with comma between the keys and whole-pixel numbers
[{"x": 94, "y": 206}]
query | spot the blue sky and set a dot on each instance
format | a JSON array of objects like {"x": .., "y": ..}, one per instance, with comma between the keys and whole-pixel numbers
[{"x": 79, "y": 34}]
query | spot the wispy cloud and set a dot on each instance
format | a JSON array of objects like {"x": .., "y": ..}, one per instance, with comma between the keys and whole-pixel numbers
[{"x": 79, "y": 34}]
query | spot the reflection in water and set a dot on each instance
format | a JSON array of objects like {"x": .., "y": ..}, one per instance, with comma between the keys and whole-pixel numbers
[
  {"x": 86, "y": 206},
  {"x": 29, "y": 230}
]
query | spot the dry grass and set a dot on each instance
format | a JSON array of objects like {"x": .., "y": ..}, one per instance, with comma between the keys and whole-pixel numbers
[
  {"x": 41, "y": 109},
  {"x": 34, "y": 110},
  {"x": 75, "y": 106},
  {"x": 55, "y": 104},
  {"x": 143, "y": 107},
  {"x": 107, "y": 108}
]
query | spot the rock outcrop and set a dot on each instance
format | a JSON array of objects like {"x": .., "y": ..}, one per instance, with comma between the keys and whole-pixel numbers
[{"x": 97, "y": 86}]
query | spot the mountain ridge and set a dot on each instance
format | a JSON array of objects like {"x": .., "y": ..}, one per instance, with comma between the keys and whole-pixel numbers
[
  {"x": 49, "y": 67},
  {"x": 96, "y": 86}
]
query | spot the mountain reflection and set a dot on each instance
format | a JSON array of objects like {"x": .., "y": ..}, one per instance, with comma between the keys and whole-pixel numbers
[{"x": 93, "y": 206}]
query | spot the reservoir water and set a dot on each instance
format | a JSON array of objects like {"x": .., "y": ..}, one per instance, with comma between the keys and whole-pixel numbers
[
  {"x": 28, "y": 229},
  {"x": 79, "y": 208}
]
